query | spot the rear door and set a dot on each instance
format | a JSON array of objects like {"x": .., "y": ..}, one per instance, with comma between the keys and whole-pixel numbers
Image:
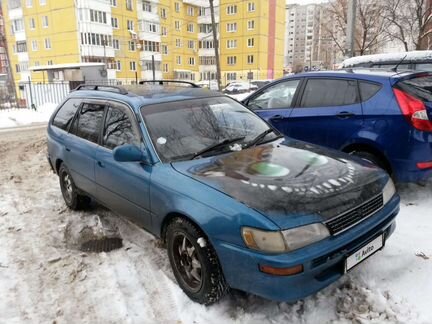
[
  {"x": 328, "y": 112},
  {"x": 274, "y": 103},
  {"x": 122, "y": 186},
  {"x": 82, "y": 142}
]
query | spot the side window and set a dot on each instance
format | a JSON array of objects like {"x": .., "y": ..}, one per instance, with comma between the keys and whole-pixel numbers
[
  {"x": 88, "y": 122},
  {"x": 329, "y": 92},
  {"x": 278, "y": 96},
  {"x": 66, "y": 114},
  {"x": 368, "y": 90},
  {"x": 118, "y": 129}
]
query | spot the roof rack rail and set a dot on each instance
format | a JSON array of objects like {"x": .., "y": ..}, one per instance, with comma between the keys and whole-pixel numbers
[
  {"x": 162, "y": 82},
  {"x": 102, "y": 87}
]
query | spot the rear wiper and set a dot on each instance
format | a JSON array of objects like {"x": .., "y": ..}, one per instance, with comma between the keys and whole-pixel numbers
[
  {"x": 260, "y": 137},
  {"x": 216, "y": 146}
]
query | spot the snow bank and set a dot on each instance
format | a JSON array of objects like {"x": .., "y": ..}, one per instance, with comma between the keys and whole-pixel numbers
[
  {"x": 22, "y": 117},
  {"x": 414, "y": 55}
]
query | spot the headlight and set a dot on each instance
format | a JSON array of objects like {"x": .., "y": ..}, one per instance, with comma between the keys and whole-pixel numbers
[
  {"x": 284, "y": 241},
  {"x": 388, "y": 191},
  {"x": 299, "y": 237}
]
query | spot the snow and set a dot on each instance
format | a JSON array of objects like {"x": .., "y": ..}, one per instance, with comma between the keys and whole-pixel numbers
[
  {"x": 413, "y": 55},
  {"x": 25, "y": 116},
  {"x": 45, "y": 279}
]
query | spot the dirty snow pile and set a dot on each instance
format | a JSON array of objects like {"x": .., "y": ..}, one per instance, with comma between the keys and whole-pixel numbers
[
  {"x": 24, "y": 116},
  {"x": 46, "y": 277}
]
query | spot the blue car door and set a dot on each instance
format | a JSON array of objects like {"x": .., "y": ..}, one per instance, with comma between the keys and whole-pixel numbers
[
  {"x": 274, "y": 103},
  {"x": 328, "y": 112},
  {"x": 81, "y": 144},
  {"x": 122, "y": 186}
]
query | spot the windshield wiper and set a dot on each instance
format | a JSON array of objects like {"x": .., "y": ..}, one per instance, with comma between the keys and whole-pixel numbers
[
  {"x": 216, "y": 146},
  {"x": 260, "y": 137}
]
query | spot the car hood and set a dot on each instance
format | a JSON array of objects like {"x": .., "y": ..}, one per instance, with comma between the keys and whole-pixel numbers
[{"x": 288, "y": 178}]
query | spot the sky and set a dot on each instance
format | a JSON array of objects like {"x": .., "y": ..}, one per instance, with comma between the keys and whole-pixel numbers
[{"x": 302, "y": 2}]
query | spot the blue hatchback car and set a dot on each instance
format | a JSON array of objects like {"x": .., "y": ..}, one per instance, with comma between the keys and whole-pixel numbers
[
  {"x": 237, "y": 204},
  {"x": 380, "y": 115}
]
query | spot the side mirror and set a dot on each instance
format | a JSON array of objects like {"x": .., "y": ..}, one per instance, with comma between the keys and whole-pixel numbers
[{"x": 129, "y": 153}]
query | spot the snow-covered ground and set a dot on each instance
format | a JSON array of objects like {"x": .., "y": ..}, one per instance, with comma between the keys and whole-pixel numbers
[
  {"x": 45, "y": 279},
  {"x": 23, "y": 117}
]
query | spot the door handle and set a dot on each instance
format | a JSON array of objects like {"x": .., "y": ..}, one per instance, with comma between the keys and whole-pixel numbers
[
  {"x": 277, "y": 117},
  {"x": 101, "y": 164},
  {"x": 345, "y": 115}
]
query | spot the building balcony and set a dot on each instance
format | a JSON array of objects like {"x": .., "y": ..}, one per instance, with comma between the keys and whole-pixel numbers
[
  {"x": 146, "y": 55},
  {"x": 95, "y": 50}
]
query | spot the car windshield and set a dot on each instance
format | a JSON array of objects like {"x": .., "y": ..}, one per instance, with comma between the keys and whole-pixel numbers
[{"x": 181, "y": 129}]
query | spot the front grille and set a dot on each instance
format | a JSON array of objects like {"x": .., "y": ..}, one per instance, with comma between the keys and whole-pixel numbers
[{"x": 352, "y": 217}]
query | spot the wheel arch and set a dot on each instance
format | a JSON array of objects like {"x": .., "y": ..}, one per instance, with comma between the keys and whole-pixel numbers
[
  {"x": 172, "y": 215},
  {"x": 369, "y": 148}
]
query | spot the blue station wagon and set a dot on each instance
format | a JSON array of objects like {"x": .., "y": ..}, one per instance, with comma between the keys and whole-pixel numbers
[
  {"x": 379, "y": 115},
  {"x": 237, "y": 204}
]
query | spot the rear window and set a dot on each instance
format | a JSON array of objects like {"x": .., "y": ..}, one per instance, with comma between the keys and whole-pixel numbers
[
  {"x": 66, "y": 114},
  {"x": 329, "y": 92},
  {"x": 368, "y": 90},
  {"x": 420, "y": 87}
]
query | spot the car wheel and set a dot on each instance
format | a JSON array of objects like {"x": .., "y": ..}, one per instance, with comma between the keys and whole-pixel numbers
[
  {"x": 72, "y": 198},
  {"x": 370, "y": 158},
  {"x": 194, "y": 262}
]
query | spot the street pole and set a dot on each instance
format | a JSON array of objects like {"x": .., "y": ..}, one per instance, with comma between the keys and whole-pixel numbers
[
  {"x": 216, "y": 45},
  {"x": 351, "y": 17},
  {"x": 153, "y": 68}
]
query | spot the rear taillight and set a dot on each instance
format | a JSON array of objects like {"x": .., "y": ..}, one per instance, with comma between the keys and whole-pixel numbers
[{"x": 414, "y": 110}]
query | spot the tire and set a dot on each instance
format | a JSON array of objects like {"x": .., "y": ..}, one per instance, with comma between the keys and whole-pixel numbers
[
  {"x": 371, "y": 158},
  {"x": 195, "y": 266},
  {"x": 72, "y": 198}
]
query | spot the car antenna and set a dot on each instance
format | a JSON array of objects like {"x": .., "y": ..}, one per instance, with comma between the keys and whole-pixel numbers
[{"x": 394, "y": 69}]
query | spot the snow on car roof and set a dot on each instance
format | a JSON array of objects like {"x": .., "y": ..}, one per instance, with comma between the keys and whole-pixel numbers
[{"x": 388, "y": 57}]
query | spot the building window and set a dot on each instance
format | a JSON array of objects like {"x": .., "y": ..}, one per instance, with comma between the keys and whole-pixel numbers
[
  {"x": 131, "y": 46},
  {"x": 163, "y": 13},
  {"x": 207, "y": 60},
  {"x": 32, "y": 23},
  {"x": 177, "y": 7},
  {"x": 164, "y": 31},
  {"x": 44, "y": 21},
  {"x": 250, "y": 59},
  {"x": 21, "y": 47},
  {"x": 190, "y": 28},
  {"x": 178, "y": 42},
  {"x": 116, "y": 44},
  {"x": 118, "y": 66},
  {"x": 129, "y": 5},
  {"x": 17, "y": 25},
  {"x": 114, "y": 22},
  {"x": 231, "y": 43},
  {"x": 164, "y": 49},
  {"x": 202, "y": 11},
  {"x": 29, "y": 3},
  {"x": 113, "y": 3},
  {"x": 190, "y": 11},
  {"x": 150, "y": 46},
  {"x": 50, "y": 62},
  {"x": 206, "y": 44},
  {"x": 147, "y": 6},
  {"x": 165, "y": 68},
  {"x": 231, "y": 27},
  {"x": 42, "y": 2},
  {"x": 191, "y": 44},
  {"x": 47, "y": 43},
  {"x": 178, "y": 60},
  {"x": 177, "y": 25},
  {"x": 250, "y": 42},
  {"x": 191, "y": 60},
  {"x": 251, "y": 24},
  {"x": 130, "y": 25},
  {"x": 34, "y": 45},
  {"x": 231, "y": 76},
  {"x": 231, "y": 10},
  {"x": 132, "y": 65},
  {"x": 98, "y": 16},
  {"x": 251, "y": 6},
  {"x": 231, "y": 60}
]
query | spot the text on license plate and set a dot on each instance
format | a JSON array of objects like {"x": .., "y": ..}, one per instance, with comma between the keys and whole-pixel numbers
[{"x": 364, "y": 252}]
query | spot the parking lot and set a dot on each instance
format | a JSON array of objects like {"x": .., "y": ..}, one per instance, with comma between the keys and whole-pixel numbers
[{"x": 44, "y": 278}]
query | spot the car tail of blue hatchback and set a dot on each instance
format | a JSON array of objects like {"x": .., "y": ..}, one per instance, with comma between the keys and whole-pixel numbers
[
  {"x": 237, "y": 204},
  {"x": 379, "y": 115}
]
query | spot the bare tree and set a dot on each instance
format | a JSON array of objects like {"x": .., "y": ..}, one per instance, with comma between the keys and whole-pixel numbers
[
  {"x": 370, "y": 24},
  {"x": 410, "y": 22}
]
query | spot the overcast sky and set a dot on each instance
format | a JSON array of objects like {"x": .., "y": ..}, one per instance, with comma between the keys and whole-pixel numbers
[{"x": 305, "y": 1}]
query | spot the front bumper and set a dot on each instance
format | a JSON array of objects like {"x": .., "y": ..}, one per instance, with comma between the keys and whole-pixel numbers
[{"x": 323, "y": 262}]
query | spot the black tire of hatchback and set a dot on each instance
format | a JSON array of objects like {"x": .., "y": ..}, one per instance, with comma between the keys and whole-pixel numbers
[
  {"x": 213, "y": 286},
  {"x": 72, "y": 198},
  {"x": 371, "y": 158}
]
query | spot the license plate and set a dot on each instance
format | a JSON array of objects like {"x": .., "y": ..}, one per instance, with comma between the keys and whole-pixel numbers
[{"x": 364, "y": 252}]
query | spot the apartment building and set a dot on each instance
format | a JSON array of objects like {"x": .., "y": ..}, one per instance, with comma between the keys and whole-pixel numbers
[{"x": 130, "y": 37}]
